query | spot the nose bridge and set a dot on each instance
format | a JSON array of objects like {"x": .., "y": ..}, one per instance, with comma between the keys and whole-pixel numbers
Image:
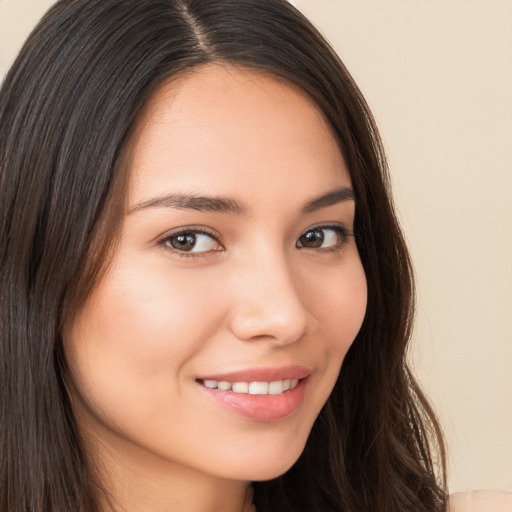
[{"x": 267, "y": 301}]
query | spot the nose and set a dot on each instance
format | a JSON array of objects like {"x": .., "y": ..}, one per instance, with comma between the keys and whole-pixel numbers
[{"x": 267, "y": 304}]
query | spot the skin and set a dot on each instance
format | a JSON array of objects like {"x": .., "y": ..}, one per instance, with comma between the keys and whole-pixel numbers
[{"x": 252, "y": 296}]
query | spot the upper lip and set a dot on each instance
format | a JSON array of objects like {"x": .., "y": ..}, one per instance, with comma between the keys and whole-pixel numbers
[{"x": 268, "y": 374}]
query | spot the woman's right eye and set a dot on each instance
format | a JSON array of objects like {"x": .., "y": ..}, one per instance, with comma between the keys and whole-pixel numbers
[{"x": 190, "y": 242}]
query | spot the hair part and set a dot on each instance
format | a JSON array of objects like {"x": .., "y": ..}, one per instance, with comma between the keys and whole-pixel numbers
[{"x": 67, "y": 110}]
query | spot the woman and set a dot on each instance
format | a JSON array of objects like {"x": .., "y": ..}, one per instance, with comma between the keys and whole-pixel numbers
[{"x": 197, "y": 233}]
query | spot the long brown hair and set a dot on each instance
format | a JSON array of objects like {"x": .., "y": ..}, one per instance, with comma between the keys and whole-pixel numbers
[{"x": 67, "y": 107}]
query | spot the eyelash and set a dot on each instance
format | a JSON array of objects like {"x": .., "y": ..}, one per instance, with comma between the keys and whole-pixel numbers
[
  {"x": 191, "y": 230},
  {"x": 342, "y": 232}
]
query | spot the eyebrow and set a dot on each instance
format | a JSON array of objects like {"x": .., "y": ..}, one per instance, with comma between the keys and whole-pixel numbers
[
  {"x": 219, "y": 204},
  {"x": 215, "y": 204},
  {"x": 338, "y": 195}
]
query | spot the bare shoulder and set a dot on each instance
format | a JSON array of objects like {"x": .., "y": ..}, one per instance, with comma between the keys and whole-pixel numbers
[{"x": 481, "y": 501}]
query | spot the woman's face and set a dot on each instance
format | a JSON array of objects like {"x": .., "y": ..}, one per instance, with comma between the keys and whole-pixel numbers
[{"x": 236, "y": 273}]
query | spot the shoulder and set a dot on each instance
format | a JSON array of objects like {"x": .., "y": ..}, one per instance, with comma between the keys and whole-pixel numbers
[{"x": 481, "y": 501}]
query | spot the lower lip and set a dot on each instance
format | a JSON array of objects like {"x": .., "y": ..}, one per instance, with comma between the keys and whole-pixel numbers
[{"x": 261, "y": 407}]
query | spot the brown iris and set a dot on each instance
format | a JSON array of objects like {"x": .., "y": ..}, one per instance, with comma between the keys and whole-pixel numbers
[
  {"x": 183, "y": 242},
  {"x": 312, "y": 239}
]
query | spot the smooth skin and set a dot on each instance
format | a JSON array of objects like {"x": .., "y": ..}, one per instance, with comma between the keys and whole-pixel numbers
[{"x": 262, "y": 283}]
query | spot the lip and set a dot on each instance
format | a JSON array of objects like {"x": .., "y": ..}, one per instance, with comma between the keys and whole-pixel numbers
[
  {"x": 262, "y": 408},
  {"x": 261, "y": 374}
]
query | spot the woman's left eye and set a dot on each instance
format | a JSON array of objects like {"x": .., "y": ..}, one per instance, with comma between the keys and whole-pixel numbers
[
  {"x": 324, "y": 237},
  {"x": 191, "y": 242}
]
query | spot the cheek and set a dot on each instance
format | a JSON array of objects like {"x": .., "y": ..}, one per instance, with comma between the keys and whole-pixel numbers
[
  {"x": 133, "y": 338},
  {"x": 134, "y": 314},
  {"x": 337, "y": 299},
  {"x": 338, "y": 302}
]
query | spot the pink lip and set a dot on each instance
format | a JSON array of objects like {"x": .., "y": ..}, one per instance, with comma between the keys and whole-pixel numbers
[
  {"x": 261, "y": 374},
  {"x": 261, "y": 407}
]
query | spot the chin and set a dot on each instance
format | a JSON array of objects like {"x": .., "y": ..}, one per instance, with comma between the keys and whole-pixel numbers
[
  {"x": 270, "y": 473},
  {"x": 265, "y": 466}
]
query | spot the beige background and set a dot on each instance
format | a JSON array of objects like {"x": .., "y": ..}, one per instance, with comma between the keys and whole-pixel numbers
[{"x": 438, "y": 76}]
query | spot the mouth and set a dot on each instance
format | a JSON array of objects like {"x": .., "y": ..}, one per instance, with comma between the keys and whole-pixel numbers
[
  {"x": 263, "y": 394},
  {"x": 275, "y": 387}
]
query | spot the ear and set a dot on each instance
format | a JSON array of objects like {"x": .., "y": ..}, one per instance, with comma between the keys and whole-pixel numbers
[{"x": 481, "y": 501}]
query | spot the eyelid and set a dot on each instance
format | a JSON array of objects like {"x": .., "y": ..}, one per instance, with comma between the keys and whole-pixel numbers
[
  {"x": 339, "y": 227},
  {"x": 194, "y": 229}
]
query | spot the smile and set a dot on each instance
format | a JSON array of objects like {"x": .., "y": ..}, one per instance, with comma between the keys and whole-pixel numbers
[
  {"x": 252, "y": 388},
  {"x": 260, "y": 394}
]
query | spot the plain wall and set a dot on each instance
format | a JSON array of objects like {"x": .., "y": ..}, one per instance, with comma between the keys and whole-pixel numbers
[{"x": 438, "y": 76}]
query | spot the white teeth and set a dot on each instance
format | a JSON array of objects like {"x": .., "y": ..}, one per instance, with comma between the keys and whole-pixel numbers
[
  {"x": 212, "y": 384},
  {"x": 240, "y": 387},
  {"x": 258, "y": 388},
  {"x": 253, "y": 388},
  {"x": 275, "y": 388}
]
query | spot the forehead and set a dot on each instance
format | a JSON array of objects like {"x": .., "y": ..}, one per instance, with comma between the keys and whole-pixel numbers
[{"x": 219, "y": 129}]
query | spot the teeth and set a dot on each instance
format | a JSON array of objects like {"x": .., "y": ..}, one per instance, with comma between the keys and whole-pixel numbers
[
  {"x": 240, "y": 387},
  {"x": 224, "y": 386},
  {"x": 258, "y": 388},
  {"x": 275, "y": 388},
  {"x": 253, "y": 388}
]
